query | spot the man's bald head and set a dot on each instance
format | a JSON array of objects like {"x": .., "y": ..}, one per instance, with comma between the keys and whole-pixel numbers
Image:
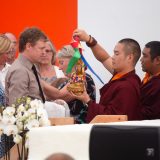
[
  {"x": 12, "y": 37},
  {"x": 59, "y": 156}
]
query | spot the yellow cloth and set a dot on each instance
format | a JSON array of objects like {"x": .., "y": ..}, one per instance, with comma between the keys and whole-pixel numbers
[
  {"x": 147, "y": 77},
  {"x": 117, "y": 76}
]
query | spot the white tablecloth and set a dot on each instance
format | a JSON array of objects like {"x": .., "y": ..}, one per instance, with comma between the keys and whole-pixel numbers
[
  {"x": 71, "y": 139},
  {"x": 56, "y": 110}
]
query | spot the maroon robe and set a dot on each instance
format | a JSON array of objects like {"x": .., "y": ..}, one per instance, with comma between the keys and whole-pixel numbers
[
  {"x": 150, "y": 98},
  {"x": 118, "y": 97}
]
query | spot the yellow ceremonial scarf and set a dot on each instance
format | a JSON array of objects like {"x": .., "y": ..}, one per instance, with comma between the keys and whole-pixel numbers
[
  {"x": 147, "y": 77},
  {"x": 117, "y": 76}
]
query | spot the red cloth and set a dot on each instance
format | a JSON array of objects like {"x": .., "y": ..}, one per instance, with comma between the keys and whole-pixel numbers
[
  {"x": 118, "y": 97},
  {"x": 150, "y": 98}
]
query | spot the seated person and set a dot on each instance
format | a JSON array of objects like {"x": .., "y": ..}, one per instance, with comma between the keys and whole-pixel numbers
[{"x": 77, "y": 107}]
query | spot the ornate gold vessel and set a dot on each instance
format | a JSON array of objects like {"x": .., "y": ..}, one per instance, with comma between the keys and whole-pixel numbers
[{"x": 77, "y": 80}]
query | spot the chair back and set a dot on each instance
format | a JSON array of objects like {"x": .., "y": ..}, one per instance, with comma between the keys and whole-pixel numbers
[
  {"x": 109, "y": 118},
  {"x": 61, "y": 121}
]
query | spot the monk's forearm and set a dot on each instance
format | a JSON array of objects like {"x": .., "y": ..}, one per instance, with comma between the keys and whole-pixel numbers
[{"x": 100, "y": 53}]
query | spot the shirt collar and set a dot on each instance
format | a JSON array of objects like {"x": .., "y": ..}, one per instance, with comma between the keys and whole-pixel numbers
[
  {"x": 6, "y": 67},
  {"x": 25, "y": 61}
]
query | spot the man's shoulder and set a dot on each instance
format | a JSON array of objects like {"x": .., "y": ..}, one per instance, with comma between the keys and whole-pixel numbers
[
  {"x": 17, "y": 65},
  {"x": 130, "y": 81},
  {"x": 156, "y": 79},
  {"x": 16, "y": 68},
  {"x": 132, "y": 77},
  {"x": 153, "y": 83}
]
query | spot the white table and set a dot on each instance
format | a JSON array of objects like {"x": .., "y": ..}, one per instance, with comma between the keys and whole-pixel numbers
[{"x": 70, "y": 139}]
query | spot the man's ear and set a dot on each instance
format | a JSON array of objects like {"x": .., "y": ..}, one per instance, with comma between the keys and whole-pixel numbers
[
  {"x": 157, "y": 60},
  {"x": 28, "y": 46},
  {"x": 130, "y": 57}
]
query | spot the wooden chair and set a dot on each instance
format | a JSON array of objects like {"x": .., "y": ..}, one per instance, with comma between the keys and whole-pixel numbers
[
  {"x": 109, "y": 118},
  {"x": 61, "y": 121}
]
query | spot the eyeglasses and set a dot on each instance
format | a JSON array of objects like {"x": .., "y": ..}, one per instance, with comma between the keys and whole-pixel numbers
[{"x": 49, "y": 51}]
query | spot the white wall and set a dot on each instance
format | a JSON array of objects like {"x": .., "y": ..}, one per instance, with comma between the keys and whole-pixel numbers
[{"x": 111, "y": 20}]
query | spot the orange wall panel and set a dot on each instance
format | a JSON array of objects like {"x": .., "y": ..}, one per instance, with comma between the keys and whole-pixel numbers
[{"x": 57, "y": 18}]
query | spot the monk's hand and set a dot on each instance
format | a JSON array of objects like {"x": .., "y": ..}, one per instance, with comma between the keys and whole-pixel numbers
[
  {"x": 83, "y": 36},
  {"x": 84, "y": 97}
]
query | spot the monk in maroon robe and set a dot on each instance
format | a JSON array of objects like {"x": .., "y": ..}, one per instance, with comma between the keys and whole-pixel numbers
[
  {"x": 150, "y": 89},
  {"x": 121, "y": 96},
  {"x": 118, "y": 97}
]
